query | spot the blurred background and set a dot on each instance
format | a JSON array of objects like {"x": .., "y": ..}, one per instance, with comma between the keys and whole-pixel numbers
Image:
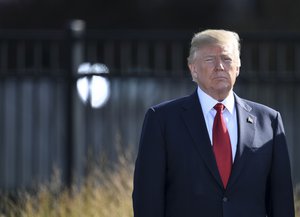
[{"x": 76, "y": 77}]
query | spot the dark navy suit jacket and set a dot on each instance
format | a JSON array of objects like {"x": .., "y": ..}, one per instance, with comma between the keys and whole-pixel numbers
[{"x": 176, "y": 173}]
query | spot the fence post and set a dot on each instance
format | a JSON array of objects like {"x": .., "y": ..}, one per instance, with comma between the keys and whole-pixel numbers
[{"x": 75, "y": 49}]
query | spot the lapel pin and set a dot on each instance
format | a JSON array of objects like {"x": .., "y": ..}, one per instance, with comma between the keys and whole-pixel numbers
[{"x": 250, "y": 120}]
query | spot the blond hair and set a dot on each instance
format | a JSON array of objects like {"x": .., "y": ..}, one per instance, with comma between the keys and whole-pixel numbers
[{"x": 215, "y": 36}]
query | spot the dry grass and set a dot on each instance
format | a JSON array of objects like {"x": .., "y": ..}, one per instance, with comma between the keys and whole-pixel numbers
[
  {"x": 297, "y": 208},
  {"x": 103, "y": 194},
  {"x": 297, "y": 200}
]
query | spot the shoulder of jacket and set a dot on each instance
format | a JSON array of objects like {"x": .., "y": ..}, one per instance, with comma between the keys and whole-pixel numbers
[{"x": 170, "y": 104}]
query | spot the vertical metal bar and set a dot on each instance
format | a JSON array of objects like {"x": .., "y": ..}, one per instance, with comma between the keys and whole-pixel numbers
[
  {"x": 37, "y": 55},
  {"x": 26, "y": 134},
  {"x": 4, "y": 56},
  {"x": 54, "y": 56},
  {"x": 20, "y": 56},
  {"x": 75, "y": 36},
  {"x": 295, "y": 133},
  {"x": 109, "y": 54},
  {"x": 297, "y": 61},
  {"x": 92, "y": 51},
  {"x": 281, "y": 57},
  {"x": 2, "y": 133},
  {"x": 10, "y": 133},
  {"x": 176, "y": 59},
  {"x": 160, "y": 61},
  {"x": 142, "y": 57},
  {"x": 126, "y": 57},
  {"x": 264, "y": 58}
]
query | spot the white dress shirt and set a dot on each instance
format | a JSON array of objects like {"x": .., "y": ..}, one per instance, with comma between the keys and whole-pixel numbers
[{"x": 229, "y": 114}]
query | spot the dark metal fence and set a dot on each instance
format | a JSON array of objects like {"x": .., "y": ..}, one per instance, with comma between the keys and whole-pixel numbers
[{"x": 44, "y": 125}]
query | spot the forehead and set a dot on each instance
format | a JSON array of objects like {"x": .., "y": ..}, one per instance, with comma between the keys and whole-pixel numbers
[{"x": 214, "y": 49}]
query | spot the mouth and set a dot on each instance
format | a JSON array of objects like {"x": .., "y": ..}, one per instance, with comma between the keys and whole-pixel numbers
[{"x": 220, "y": 78}]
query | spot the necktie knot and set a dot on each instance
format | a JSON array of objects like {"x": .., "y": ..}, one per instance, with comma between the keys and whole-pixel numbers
[{"x": 219, "y": 107}]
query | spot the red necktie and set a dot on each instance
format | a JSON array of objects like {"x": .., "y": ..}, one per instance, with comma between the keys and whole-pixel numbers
[{"x": 221, "y": 145}]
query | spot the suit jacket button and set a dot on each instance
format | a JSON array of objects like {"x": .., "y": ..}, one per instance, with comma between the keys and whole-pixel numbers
[{"x": 225, "y": 199}]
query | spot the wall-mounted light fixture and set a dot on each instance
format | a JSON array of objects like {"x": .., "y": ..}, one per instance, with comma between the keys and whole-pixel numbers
[{"x": 92, "y": 87}]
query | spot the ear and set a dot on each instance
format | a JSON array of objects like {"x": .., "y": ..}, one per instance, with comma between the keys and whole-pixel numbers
[
  {"x": 237, "y": 71},
  {"x": 193, "y": 71}
]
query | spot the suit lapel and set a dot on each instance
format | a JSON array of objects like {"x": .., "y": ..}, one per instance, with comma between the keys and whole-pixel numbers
[
  {"x": 246, "y": 131},
  {"x": 195, "y": 123}
]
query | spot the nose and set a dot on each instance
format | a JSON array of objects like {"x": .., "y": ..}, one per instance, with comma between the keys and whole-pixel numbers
[{"x": 219, "y": 64}]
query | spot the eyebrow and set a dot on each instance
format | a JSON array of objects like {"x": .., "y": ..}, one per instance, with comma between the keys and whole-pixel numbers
[{"x": 222, "y": 55}]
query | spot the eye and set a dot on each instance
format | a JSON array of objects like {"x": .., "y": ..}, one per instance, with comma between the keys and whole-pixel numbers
[
  {"x": 227, "y": 59},
  {"x": 209, "y": 59}
]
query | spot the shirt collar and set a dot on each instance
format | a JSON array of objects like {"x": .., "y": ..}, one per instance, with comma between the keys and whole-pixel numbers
[{"x": 207, "y": 102}]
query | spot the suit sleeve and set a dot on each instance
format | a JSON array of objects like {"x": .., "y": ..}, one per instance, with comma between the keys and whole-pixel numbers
[
  {"x": 150, "y": 169},
  {"x": 281, "y": 188}
]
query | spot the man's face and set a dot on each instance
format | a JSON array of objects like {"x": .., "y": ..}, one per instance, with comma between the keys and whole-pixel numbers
[{"x": 215, "y": 68}]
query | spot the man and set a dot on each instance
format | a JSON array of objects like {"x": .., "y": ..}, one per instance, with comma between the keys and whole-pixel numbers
[{"x": 213, "y": 154}]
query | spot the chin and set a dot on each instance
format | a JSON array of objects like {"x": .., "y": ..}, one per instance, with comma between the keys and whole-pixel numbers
[
  {"x": 224, "y": 89},
  {"x": 222, "y": 85}
]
